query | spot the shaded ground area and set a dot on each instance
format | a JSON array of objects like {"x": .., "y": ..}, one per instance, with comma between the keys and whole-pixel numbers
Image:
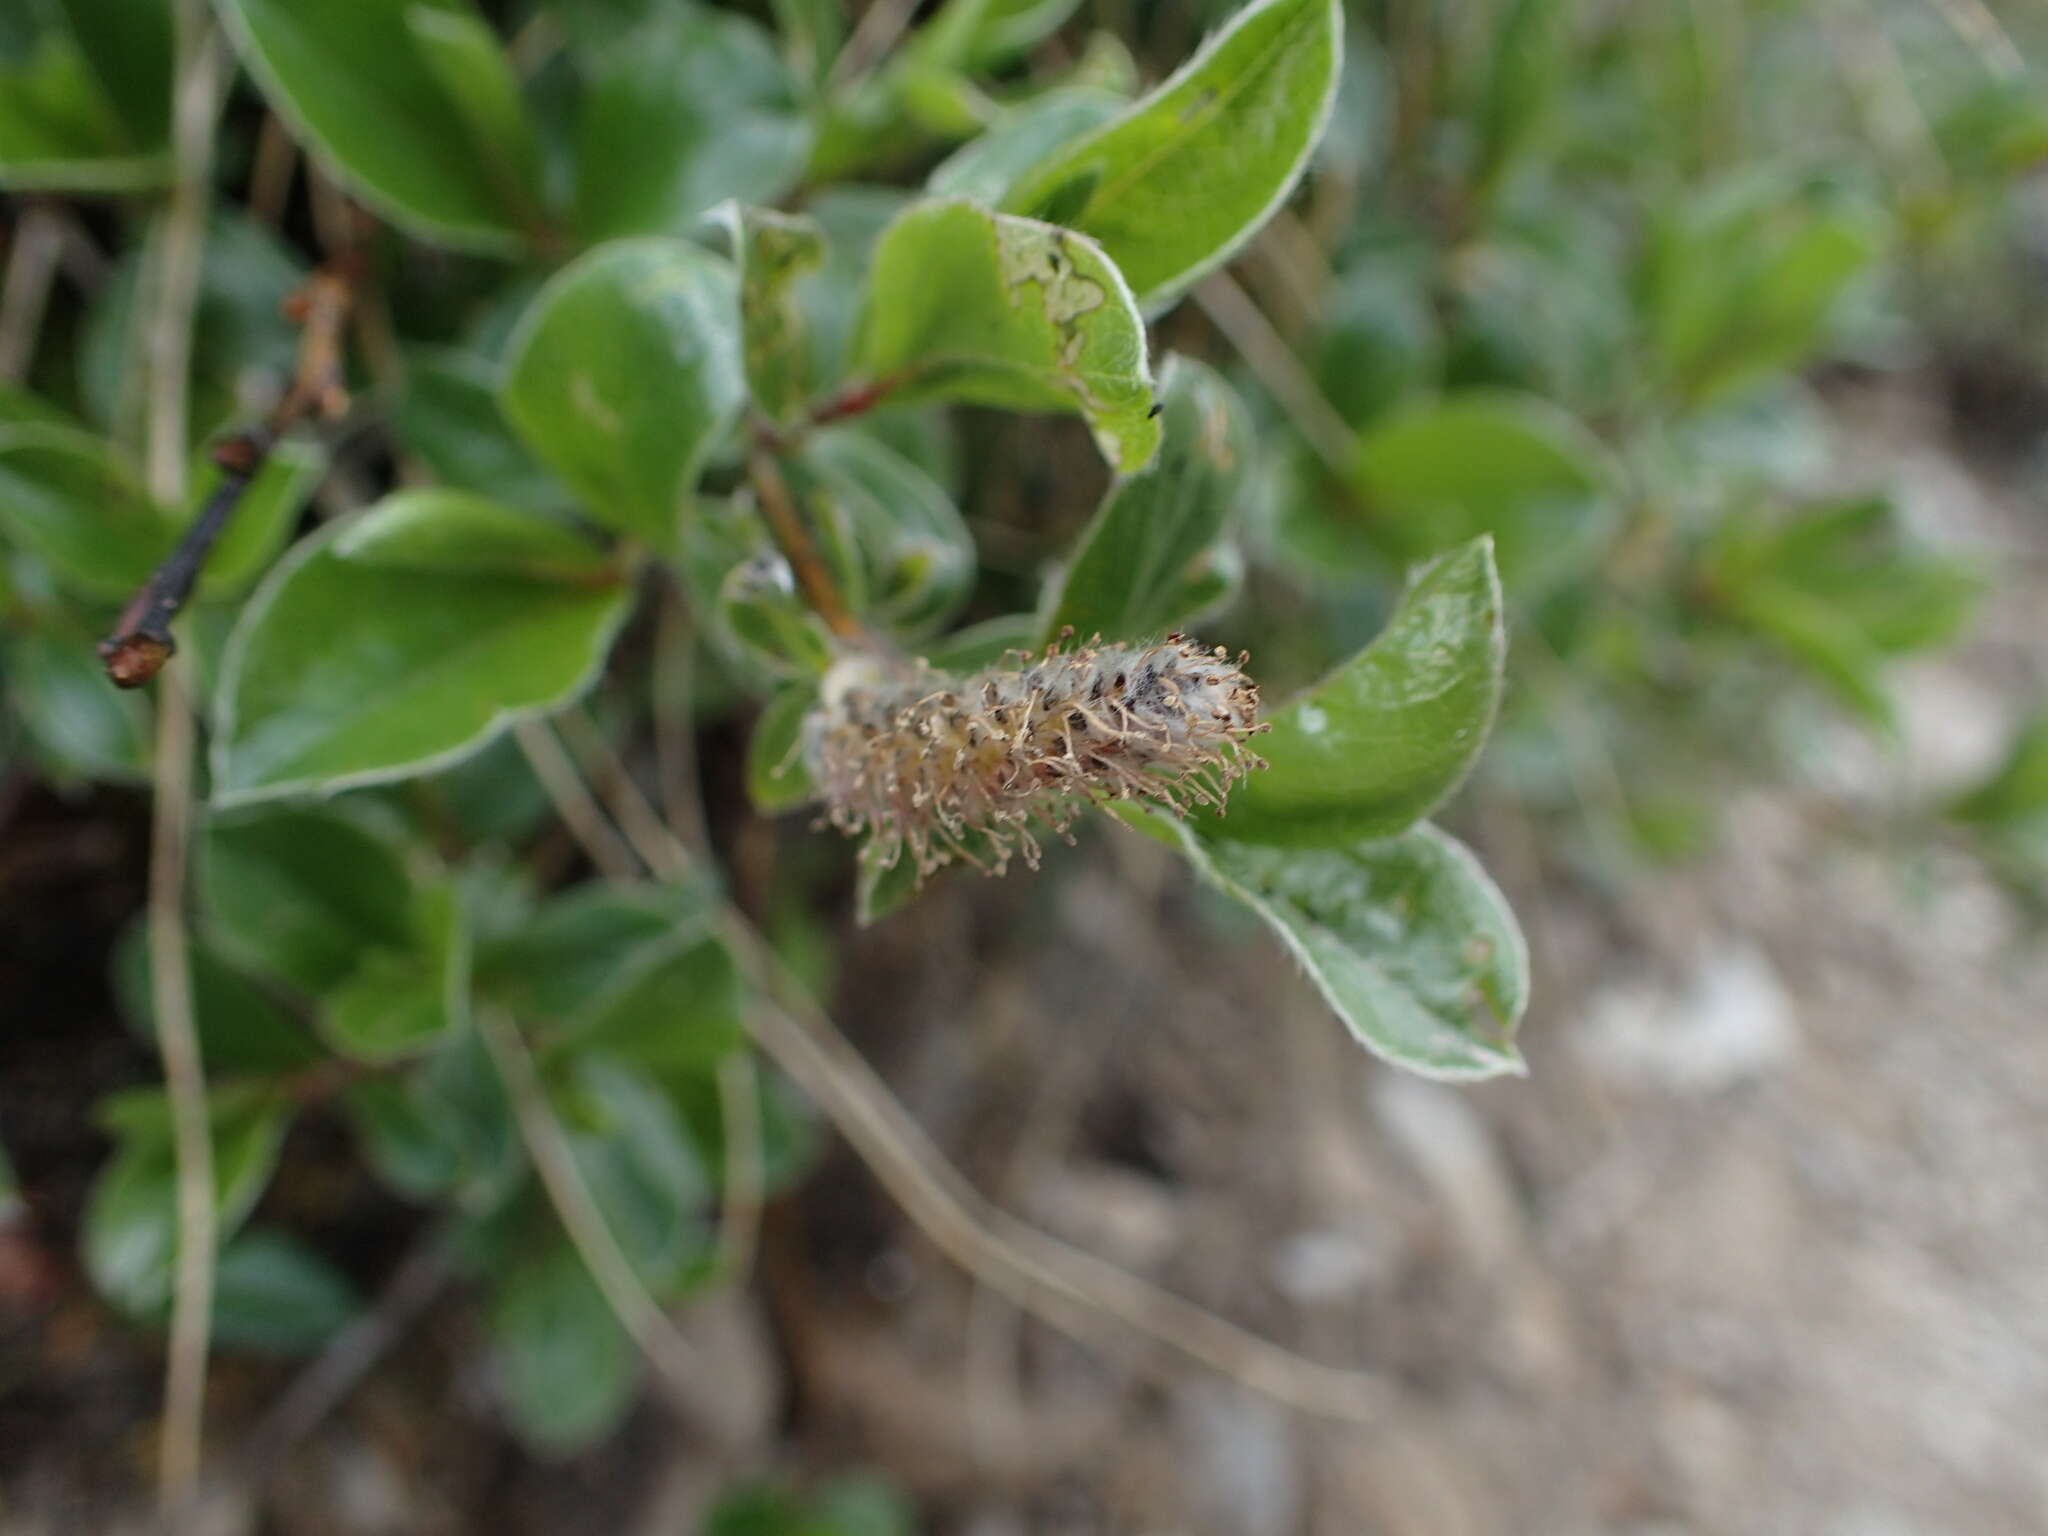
[{"x": 1758, "y": 1246}]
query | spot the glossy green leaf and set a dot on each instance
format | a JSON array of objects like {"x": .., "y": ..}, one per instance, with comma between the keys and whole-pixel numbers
[
  {"x": 567, "y": 1368},
  {"x": 773, "y": 251},
  {"x": 760, "y": 615},
  {"x": 344, "y": 671},
  {"x": 1380, "y": 744},
  {"x": 682, "y": 112},
  {"x": 623, "y": 373},
  {"x": 130, "y": 1237},
  {"x": 1437, "y": 475},
  {"x": 407, "y": 102},
  {"x": 984, "y": 169},
  {"x": 1407, "y": 938},
  {"x": 777, "y": 778},
  {"x": 458, "y": 533},
  {"x": 1130, "y": 570},
  {"x": 1174, "y": 186},
  {"x": 302, "y": 894},
  {"x": 964, "y": 304},
  {"x": 273, "y": 1294},
  {"x": 398, "y": 1001}
]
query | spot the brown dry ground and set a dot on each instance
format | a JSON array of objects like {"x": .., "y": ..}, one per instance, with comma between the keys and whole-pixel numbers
[{"x": 1761, "y": 1245}]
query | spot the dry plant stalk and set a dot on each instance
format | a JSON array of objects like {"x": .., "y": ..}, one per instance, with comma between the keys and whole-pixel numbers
[{"x": 974, "y": 768}]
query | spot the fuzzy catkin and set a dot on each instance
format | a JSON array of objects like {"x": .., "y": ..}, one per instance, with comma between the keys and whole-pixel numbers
[{"x": 974, "y": 767}]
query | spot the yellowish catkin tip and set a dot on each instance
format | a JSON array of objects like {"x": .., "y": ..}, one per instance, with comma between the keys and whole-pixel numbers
[{"x": 975, "y": 768}]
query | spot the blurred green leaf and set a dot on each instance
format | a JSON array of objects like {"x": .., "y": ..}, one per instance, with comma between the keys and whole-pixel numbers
[
  {"x": 1436, "y": 475},
  {"x": 1188, "y": 174},
  {"x": 449, "y": 416},
  {"x": 1385, "y": 740},
  {"x": 409, "y": 102},
  {"x": 964, "y": 304},
  {"x": 129, "y": 1238},
  {"x": 398, "y": 1001},
  {"x": 1526, "y": 71},
  {"x": 242, "y": 1027},
  {"x": 639, "y": 1166},
  {"x": 2017, "y": 790},
  {"x": 273, "y": 1294},
  {"x": 83, "y": 110},
  {"x": 984, "y": 169},
  {"x": 78, "y": 725},
  {"x": 444, "y": 1128},
  {"x": 679, "y": 113},
  {"x": 623, "y": 373},
  {"x": 1130, "y": 568},
  {"x": 777, "y": 778},
  {"x": 759, "y": 613},
  {"x": 264, "y": 518},
  {"x": 917, "y": 559},
  {"x": 302, "y": 894},
  {"x": 580, "y": 946},
  {"x": 457, "y": 533},
  {"x": 567, "y": 1368},
  {"x": 347, "y": 671},
  {"x": 68, "y": 498},
  {"x": 1407, "y": 938}
]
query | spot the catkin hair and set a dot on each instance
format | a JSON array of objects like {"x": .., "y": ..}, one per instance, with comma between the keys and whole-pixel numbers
[{"x": 974, "y": 768}]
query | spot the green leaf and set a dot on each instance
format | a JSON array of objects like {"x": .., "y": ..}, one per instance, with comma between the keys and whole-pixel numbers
[
  {"x": 760, "y": 616},
  {"x": 772, "y": 251},
  {"x": 623, "y": 373},
  {"x": 964, "y": 304},
  {"x": 396, "y": 1002},
  {"x": 567, "y": 1369},
  {"x": 128, "y": 44},
  {"x": 1384, "y": 741},
  {"x": 130, "y": 1235},
  {"x": 443, "y": 1128},
  {"x": 68, "y": 499},
  {"x": 457, "y": 533},
  {"x": 1132, "y": 566},
  {"x": 2017, "y": 790},
  {"x": 676, "y": 1017},
  {"x": 274, "y": 1295},
  {"x": 449, "y": 417},
  {"x": 78, "y": 724},
  {"x": 60, "y": 127},
  {"x": 639, "y": 1166},
  {"x": 984, "y": 169},
  {"x": 1487, "y": 462},
  {"x": 680, "y": 113},
  {"x": 917, "y": 557},
  {"x": 1188, "y": 174},
  {"x": 347, "y": 671},
  {"x": 1409, "y": 941},
  {"x": 242, "y": 1027},
  {"x": 1527, "y": 68},
  {"x": 777, "y": 779},
  {"x": 408, "y": 102},
  {"x": 581, "y": 947}
]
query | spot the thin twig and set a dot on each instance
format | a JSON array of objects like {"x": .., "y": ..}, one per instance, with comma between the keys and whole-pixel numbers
[
  {"x": 1269, "y": 356},
  {"x": 347, "y": 1359},
  {"x": 554, "y": 1160},
  {"x": 739, "y": 1212},
  {"x": 1065, "y": 1287},
  {"x": 25, "y": 290},
  {"x": 574, "y": 804},
  {"x": 141, "y": 640},
  {"x": 880, "y": 25},
  {"x": 175, "y": 298},
  {"x": 813, "y": 578},
  {"x": 644, "y": 830},
  {"x": 270, "y": 174}
]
